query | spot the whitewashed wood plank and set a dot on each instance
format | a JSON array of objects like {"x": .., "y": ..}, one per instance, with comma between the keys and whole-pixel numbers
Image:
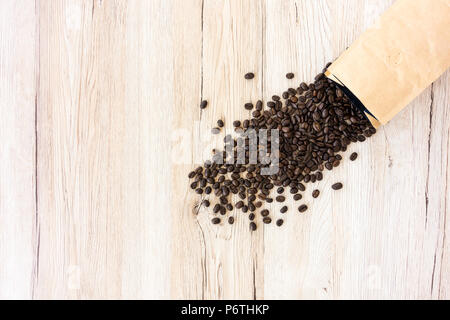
[{"x": 19, "y": 231}]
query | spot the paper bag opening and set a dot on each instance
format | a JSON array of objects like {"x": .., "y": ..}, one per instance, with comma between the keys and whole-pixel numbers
[{"x": 397, "y": 58}]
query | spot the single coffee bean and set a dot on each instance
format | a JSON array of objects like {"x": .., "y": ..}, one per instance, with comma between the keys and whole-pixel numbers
[
  {"x": 265, "y": 212},
  {"x": 203, "y": 104},
  {"x": 248, "y": 106},
  {"x": 280, "y": 190},
  {"x": 236, "y": 123},
  {"x": 284, "y": 209},
  {"x": 191, "y": 174},
  {"x": 290, "y": 75},
  {"x": 216, "y": 208},
  {"x": 206, "y": 203},
  {"x": 215, "y": 220},
  {"x": 297, "y": 197},
  {"x": 231, "y": 220},
  {"x": 280, "y": 222},
  {"x": 353, "y": 156},
  {"x": 229, "y": 207},
  {"x": 280, "y": 198},
  {"x": 252, "y": 226},
  {"x": 220, "y": 123},
  {"x": 223, "y": 211},
  {"x": 239, "y": 204},
  {"x": 303, "y": 208},
  {"x": 267, "y": 220},
  {"x": 251, "y": 216},
  {"x": 315, "y": 193},
  {"x": 249, "y": 76},
  {"x": 337, "y": 186}
]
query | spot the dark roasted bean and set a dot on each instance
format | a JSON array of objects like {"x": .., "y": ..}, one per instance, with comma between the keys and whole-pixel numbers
[{"x": 337, "y": 186}]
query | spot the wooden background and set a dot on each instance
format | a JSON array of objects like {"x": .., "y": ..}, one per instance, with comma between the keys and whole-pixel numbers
[{"x": 100, "y": 125}]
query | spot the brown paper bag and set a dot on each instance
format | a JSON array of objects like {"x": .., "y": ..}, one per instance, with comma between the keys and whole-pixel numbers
[{"x": 397, "y": 58}]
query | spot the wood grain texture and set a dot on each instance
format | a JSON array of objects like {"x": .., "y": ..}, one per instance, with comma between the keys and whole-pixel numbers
[
  {"x": 102, "y": 124},
  {"x": 18, "y": 229}
]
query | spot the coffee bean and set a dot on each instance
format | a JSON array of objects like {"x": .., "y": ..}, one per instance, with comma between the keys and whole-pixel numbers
[
  {"x": 353, "y": 156},
  {"x": 215, "y": 130},
  {"x": 230, "y": 220},
  {"x": 316, "y": 122},
  {"x": 284, "y": 209},
  {"x": 206, "y": 203},
  {"x": 267, "y": 220},
  {"x": 337, "y": 186},
  {"x": 303, "y": 208},
  {"x": 315, "y": 193},
  {"x": 265, "y": 212},
  {"x": 252, "y": 226},
  {"x": 248, "y": 106},
  {"x": 216, "y": 208},
  {"x": 280, "y": 222},
  {"x": 289, "y": 75},
  {"x": 203, "y": 104},
  {"x": 215, "y": 220},
  {"x": 249, "y": 76}
]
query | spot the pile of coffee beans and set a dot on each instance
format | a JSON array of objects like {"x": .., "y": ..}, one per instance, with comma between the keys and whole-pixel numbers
[{"x": 315, "y": 123}]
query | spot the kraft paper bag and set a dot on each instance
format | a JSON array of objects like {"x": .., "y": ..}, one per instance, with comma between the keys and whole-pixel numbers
[{"x": 397, "y": 58}]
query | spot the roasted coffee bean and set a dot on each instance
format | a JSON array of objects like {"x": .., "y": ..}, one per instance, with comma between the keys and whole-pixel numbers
[
  {"x": 279, "y": 222},
  {"x": 265, "y": 212},
  {"x": 252, "y": 226},
  {"x": 215, "y": 220},
  {"x": 222, "y": 210},
  {"x": 337, "y": 186},
  {"x": 206, "y": 203},
  {"x": 290, "y": 75},
  {"x": 203, "y": 104},
  {"x": 248, "y": 106},
  {"x": 249, "y": 76},
  {"x": 231, "y": 220},
  {"x": 353, "y": 156},
  {"x": 284, "y": 209},
  {"x": 316, "y": 123},
  {"x": 303, "y": 208},
  {"x": 229, "y": 207},
  {"x": 280, "y": 198},
  {"x": 315, "y": 193},
  {"x": 251, "y": 216},
  {"x": 267, "y": 220}
]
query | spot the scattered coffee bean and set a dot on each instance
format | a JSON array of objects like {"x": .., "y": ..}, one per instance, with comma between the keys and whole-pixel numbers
[
  {"x": 230, "y": 220},
  {"x": 353, "y": 156},
  {"x": 337, "y": 186},
  {"x": 280, "y": 222},
  {"x": 316, "y": 122},
  {"x": 252, "y": 226},
  {"x": 297, "y": 197},
  {"x": 206, "y": 203},
  {"x": 290, "y": 75},
  {"x": 267, "y": 220},
  {"x": 315, "y": 193},
  {"x": 249, "y": 76},
  {"x": 215, "y": 220},
  {"x": 203, "y": 104},
  {"x": 303, "y": 208},
  {"x": 284, "y": 209},
  {"x": 251, "y": 216}
]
